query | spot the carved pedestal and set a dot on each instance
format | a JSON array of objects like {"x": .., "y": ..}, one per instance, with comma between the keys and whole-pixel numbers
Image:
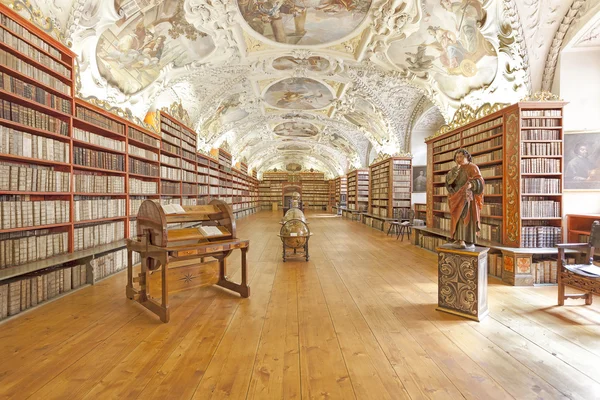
[{"x": 462, "y": 281}]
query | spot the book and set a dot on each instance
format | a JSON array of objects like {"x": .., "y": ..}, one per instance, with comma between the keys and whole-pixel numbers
[
  {"x": 210, "y": 231},
  {"x": 173, "y": 209}
]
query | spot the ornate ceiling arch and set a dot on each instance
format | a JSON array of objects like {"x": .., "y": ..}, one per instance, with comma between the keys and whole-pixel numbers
[{"x": 359, "y": 70}]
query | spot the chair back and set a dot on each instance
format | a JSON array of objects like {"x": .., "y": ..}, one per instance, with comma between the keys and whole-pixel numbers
[
  {"x": 410, "y": 215},
  {"x": 595, "y": 235}
]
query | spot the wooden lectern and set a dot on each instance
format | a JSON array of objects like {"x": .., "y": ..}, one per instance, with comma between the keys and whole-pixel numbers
[{"x": 182, "y": 236}]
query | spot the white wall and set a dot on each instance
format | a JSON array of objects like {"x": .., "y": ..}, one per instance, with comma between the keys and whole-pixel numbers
[{"x": 579, "y": 84}]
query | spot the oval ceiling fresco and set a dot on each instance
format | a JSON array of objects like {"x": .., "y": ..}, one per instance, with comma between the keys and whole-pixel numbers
[
  {"x": 298, "y": 94},
  {"x": 314, "y": 63},
  {"x": 451, "y": 48},
  {"x": 131, "y": 53},
  {"x": 304, "y": 22},
  {"x": 296, "y": 129}
]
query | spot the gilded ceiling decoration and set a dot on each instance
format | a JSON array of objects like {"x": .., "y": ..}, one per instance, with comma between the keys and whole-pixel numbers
[{"x": 321, "y": 84}]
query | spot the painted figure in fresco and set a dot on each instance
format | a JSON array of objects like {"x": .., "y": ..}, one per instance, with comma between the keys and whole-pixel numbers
[
  {"x": 460, "y": 50},
  {"x": 465, "y": 200},
  {"x": 578, "y": 169}
]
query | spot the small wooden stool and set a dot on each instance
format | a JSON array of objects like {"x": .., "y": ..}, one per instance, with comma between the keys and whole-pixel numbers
[{"x": 394, "y": 229}]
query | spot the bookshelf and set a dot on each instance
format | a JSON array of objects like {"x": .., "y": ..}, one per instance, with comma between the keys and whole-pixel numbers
[
  {"x": 579, "y": 227},
  {"x": 358, "y": 190},
  {"x": 518, "y": 149},
  {"x": 315, "y": 193},
  {"x": 72, "y": 175},
  {"x": 391, "y": 186},
  {"x": 420, "y": 211},
  {"x": 331, "y": 202},
  {"x": 341, "y": 191}
]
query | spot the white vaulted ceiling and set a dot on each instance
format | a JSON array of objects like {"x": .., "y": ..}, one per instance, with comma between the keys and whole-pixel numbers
[{"x": 318, "y": 83}]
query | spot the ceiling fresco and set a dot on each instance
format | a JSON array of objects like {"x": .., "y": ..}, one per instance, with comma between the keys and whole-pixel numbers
[{"x": 322, "y": 84}]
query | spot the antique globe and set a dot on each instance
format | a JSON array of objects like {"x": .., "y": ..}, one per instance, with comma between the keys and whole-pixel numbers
[
  {"x": 294, "y": 213},
  {"x": 294, "y": 233}
]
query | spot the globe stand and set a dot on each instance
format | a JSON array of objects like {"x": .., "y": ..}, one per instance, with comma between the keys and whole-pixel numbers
[{"x": 295, "y": 253}]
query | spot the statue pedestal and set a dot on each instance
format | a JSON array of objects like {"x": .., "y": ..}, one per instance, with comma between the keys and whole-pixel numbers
[{"x": 462, "y": 281}]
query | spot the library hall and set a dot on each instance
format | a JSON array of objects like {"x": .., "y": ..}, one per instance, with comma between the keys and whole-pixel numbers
[{"x": 289, "y": 199}]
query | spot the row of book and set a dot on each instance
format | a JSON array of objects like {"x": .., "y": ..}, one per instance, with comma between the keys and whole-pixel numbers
[
  {"x": 28, "y": 91},
  {"x": 111, "y": 263},
  {"x": 542, "y": 113},
  {"x": 98, "y": 159},
  {"x": 89, "y": 236},
  {"x": 137, "y": 186},
  {"x": 170, "y": 139},
  {"x": 33, "y": 289},
  {"x": 139, "y": 167},
  {"x": 431, "y": 243},
  {"x": 188, "y": 188},
  {"x": 33, "y": 178},
  {"x": 170, "y": 148},
  {"x": 540, "y": 134},
  {"x": 188, "y": 165},
  {"x": 98, "y": 183},
  {"x": 545, "y": 271},
  {"x": 97, "y": 208},
  {"x": 493, "y": 209},
  {"x": 32, "y": 118},
  {"x": 25, "y": 144},
  {"x": 482, "y": 127},
  {"x": 482, "y": 146},
  {"x": 21, "y": 212},
  {"x": 24, "y": 68},
  {"x": 540, "y": 166},
  {"x": 98, "y": 140},
  {"x": 486, "y": 172},
  {"x": 485, "y": 135},
  {"x": 543, "y": 123},
  {"x": 177, "y": 131},
  {"x": 169, "y": 187},
  {"x": 170, "y": 173},
  {"x": 447, "y": 143},
  {"x": 100, "y": 120},
  {"x": 140, "y": 136},
  {"x": 18, "y": 248},
  {"x": 225, "y": 159},
  {"x": 493, "y": 187},
  {"x": 540, "y": 236},
  {"x": 541, "y": 185},
  {"x": 539, "y": 207},
  {"x": 188, "y": 176},
  {"x": 30, "y": 51},
  {"x": 495, "y": 155},
  {"x": 23, "y": 32},
  {"x": 441, "y": 206},
  {"x": 172, "y": 161},
  {"x": 541, "y": 149},
  {"x": 142, "y": 153},
  {"x": 495, "y": 265}
]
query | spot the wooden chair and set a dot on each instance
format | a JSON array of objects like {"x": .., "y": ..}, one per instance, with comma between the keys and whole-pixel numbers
[
  {"x": 406, "y": 226},
  {"x": 573, "y": 276}
]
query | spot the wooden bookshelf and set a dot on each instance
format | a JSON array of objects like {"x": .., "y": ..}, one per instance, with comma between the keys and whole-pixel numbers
[
  {"x": 331, "y": 202},
  {"x": 341, "y": 191},
  {"x": 315, "y": 193},
  {"x": 358, "y": 190},
  {"x": 520, "y": 154},
  {"x": 420, "y": 211},
  {"x": 390, "y": 188},
  {"x": 579, "y": 227}
]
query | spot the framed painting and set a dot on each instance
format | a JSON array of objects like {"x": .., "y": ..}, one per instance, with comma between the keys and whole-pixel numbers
[
  {"x": 419, "y": 178},
  {"x": 582, "y": 161}
]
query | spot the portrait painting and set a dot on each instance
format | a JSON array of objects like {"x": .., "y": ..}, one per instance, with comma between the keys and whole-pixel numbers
[
  {"x": 582, "y": 161},
  {"x": 419, "y": 178},
  {"x": 132, "y": 52},
  {"x": 450, "y": 47},
  {"x": 296, "y": 129},
  {"x": 313, "y": 63},
  {"x": 304, "y": 23},
  {"x": 298, "y": 94}
]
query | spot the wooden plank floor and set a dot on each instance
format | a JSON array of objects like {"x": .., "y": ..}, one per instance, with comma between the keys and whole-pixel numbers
[{"x": 357, "y": 321}]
